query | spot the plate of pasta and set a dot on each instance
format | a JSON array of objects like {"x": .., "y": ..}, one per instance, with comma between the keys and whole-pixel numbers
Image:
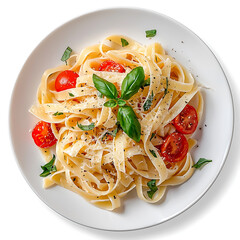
[{"x": 119, "y": 125}]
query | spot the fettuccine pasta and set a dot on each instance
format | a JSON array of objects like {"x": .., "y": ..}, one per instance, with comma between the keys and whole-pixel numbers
[{"x": 102, "y": 164}]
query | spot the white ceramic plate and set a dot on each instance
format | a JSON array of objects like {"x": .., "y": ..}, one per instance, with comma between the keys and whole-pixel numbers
[{"x": 188, "y": 49}]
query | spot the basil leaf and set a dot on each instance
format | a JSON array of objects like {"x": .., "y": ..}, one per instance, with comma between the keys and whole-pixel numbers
[
  {"x": 111, "y": 103},
  {"x": 129, "y": 122},
  {"x": 153, "y": 188},
  {"x": 86, "y": 127},
  {"x": 118, "y": 125},
  {"x": 58, "y": 113},
  {"x": 66, "y": 54},
  {"x": 114, "y": 133},
  {"x": 201, "y": 162},
  {"x": 104, "y": 87},
  {"x": 70, "y": 94},
  {"x": 45, "y": 173},
  {"x": 105, "y": 135},
  {"x": 121, "y": 102},
  {"x": 48, "y": 168},
  {"x": 132, "y": 82},
  {"x": 124, "y": 42},
  {"x": 151, "y": 33},
  {"x": 148, "y": 102},
  {"x": 153, "y": 153},
  {"x": 166, "y": 89},
  {"x": 146, "y": 83},
  {"x": 152, "y": 136}
]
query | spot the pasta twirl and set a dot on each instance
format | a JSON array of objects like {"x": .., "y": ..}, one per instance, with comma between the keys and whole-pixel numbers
[{"x": 103, "y": 164}]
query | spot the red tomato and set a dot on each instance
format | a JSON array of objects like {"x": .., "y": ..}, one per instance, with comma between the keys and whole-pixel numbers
[
  {"x": 111, "y": 66},
  {"x": 66, "y": 80},
  {"x": 174, "y": 147},
  {"x": 186, "y": 122},
  {"x": 42, "y": 135}
]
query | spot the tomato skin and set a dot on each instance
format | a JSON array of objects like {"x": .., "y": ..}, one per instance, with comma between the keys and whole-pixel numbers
[
  {"x": 174, "y": 147},
  {"x": 43, "y": 136},
  {"x": 66, "y": 80},
  {"x": 111, "y": 66},
  {"x": 186, "y": 121}
]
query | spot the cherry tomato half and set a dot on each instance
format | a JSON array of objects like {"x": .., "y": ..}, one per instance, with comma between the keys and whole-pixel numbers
[
  {"x": 174, "y": 147},
  {"x": 111, "y": 66},
  {"x": 186, "y": 122},
  {"x": 66, "y": 80},
  {"x": 42, "y": 135}
]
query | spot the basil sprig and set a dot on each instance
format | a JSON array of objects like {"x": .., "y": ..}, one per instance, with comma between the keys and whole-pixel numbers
[
  {"x": 130, "y": 86},
  {"x": 201, "y": 162},
  {"x": 66, "y": 55},
  {"x": 129, "y": 122},
  {"x": 48, "y": 168},
  {"x": 153, "y": 188}
]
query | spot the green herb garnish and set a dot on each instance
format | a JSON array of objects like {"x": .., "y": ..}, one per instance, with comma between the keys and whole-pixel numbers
[
  {"x": 58, "y": 113},
  {"x": 114, "y": 132},
  {"x": 166, "y": 89},
  {"x": 66, "y": 55},
  {"x": 104, "y": 87},
  {"x": 201, "y": 162},
  {"x": 111, "y": 103},
  {"x": 70, "y": 94},
  {"x": 132, "y": 82},
  {"x": 146, "y": 83},
  {"x": 48, "y": 168},
  {"x": 153, "y": 153},
  {"x": 153, "y": 188},
  {"x": 130, "y": 86},
  {"x": 129, "y": 122},
  {"x": 152, "y": 136},
  {"x": 121, "y": 102},
  {"x": 124, "y": 42},
  {"x": 86, "y": 127},
  {"x": 151, "y": 33},
  {"x": 148, "y": 102}
]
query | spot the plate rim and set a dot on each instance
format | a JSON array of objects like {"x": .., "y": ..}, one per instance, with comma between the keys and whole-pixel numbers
[{"x": 10, "y": 114}]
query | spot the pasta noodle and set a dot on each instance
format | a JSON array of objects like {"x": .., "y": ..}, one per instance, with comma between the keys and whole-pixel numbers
[{"x": 104, "y": 170}]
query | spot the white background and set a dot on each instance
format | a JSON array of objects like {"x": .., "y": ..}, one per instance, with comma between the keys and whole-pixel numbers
[{"x": 23, "y": 25}]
